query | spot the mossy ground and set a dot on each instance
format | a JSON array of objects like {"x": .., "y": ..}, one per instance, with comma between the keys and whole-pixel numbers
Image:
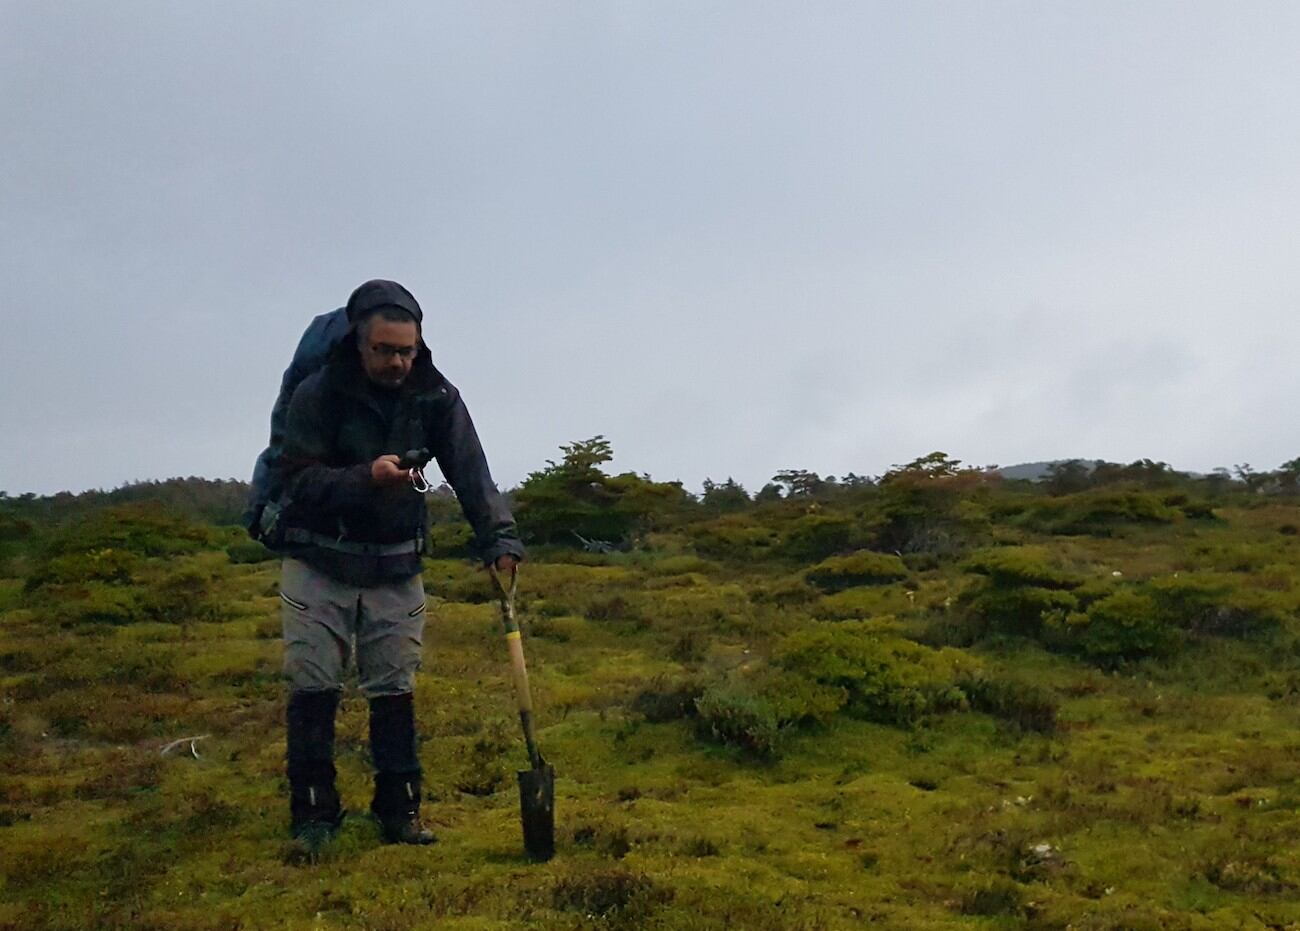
[{"x": 1166, "y": 796}]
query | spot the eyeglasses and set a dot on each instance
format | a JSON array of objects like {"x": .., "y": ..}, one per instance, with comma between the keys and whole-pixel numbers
[{"x": 385, "y": 351}]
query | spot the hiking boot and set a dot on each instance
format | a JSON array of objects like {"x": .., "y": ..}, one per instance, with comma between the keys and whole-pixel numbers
[
  {"x": 397, "y": 809},
  {"x": 312, "y": 836},
  {"x": 317, "y": 817},
  {"x": 314, "y": 805},
  {"x": 405, "y": 830}
]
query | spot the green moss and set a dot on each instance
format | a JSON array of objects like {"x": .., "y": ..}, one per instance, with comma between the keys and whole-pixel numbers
[
  {"x": 1159, "y": 794},
  {"x": 10, "y": 593},
  {"x": 680, "y": 565}
]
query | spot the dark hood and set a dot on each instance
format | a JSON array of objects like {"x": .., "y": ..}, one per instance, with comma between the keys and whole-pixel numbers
[
  {"x": 344, "y": 361},
  {"x": 379, "y": 292}
]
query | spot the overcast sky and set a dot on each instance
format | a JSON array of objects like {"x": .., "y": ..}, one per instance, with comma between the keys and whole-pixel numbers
[{"x": 732, "y": 237}]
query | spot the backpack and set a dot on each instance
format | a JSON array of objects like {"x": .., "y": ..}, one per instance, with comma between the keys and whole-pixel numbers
[{"x": 261, "y": 516}]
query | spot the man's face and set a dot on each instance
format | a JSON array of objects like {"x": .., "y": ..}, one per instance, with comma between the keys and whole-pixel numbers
[{"x": 388, "y": 350}]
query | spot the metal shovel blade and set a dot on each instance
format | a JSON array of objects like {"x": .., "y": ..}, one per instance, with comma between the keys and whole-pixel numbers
[{"x": 537, "y": 810}]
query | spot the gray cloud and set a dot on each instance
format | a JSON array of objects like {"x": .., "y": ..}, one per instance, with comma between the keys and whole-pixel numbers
[{"x": 733, "y": 238}]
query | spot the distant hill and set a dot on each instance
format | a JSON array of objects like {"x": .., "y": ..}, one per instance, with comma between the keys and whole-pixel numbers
[{"x": 1037, "y": 471}]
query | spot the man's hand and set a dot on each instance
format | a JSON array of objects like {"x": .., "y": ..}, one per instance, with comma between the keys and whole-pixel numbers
[
  {"x": 506, "y": 563},
  {"x": 385, "y": 472}
]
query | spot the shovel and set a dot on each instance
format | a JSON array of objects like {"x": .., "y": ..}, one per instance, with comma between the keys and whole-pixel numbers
[{"x": 536, "y": 785}]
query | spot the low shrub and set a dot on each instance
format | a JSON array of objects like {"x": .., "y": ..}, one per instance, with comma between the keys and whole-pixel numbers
[
  {"x": 1101, "y": 511},
  {"x": 799, "y": 699},
  {"x": 610, "y": 608},
  {"x": 98, "y": 603},
  {"x": 181, "y": 596},
  {"x": 883, "y": 677},
  {"x": 1021, "y": 589},
  {"x": 1025, "y": 705},
  {"x": 1215, "y": 603},
  {"x": 451, "y": 540},
  {"x": 993, "y": 896},
  {"x": 1019, "y": 611},
  {"x": 733, "y": 536},
  {"x": 818, "y": 535},
  {"x": 568, "y": 579},
  {"x": 1191, "y": 508},
  {"x": 249, "y": 552},
  {"x": 712, "y": 607},
  {"x": 1248, "y": 872},
  {"x": 861, "y": 603},
  {"x": 462, "y": 580},
  {"x": 790, "y": 590},
  {"x": 674, "y": 701},
  {"x": 689, "y": 646},
  {"x": 144, "y": 529},
  {"x": 1232, "y": 557},
  {"x": 1110, "y": 621},
  {"x": 1097, "y": 588},
  {"x": 1124, "y": 625},
  {"x": 861, "y": 568},
  {"x": 561, "y": 627},
  {"x": 735, "y": 715},
  {"x": 755, "y": 711},
  {"x": 108, "y": 565},
  {"x": 1009, "y": 566}
]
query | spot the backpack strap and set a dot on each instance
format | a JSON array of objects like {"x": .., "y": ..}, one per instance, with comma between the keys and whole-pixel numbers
[{"x": 299, "y": 535}]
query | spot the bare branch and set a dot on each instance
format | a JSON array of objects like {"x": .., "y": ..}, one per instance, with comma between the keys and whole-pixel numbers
[{"x": 192, "y": 741}]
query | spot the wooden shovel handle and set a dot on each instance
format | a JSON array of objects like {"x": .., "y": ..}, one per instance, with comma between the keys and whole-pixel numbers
[{"x": 518, "y": 668}]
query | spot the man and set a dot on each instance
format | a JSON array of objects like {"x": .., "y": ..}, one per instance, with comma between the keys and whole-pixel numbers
[{"x": 352, "y": 527}]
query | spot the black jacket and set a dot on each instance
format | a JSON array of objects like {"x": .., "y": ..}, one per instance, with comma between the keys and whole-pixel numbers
[{"x": 336, "y": 429}]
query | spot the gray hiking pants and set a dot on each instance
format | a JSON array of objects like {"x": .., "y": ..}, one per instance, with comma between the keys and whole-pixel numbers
[{"x": 322, "y": 619}]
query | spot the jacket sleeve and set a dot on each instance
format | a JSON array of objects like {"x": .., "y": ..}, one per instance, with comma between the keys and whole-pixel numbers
[
  {"x": 460, "y": 456},
  {"x": 311, "y": 484}
]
